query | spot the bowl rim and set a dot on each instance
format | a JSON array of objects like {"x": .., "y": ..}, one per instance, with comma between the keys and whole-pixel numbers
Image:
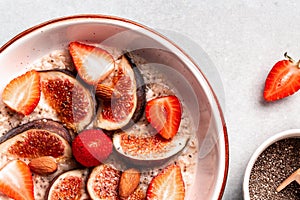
[
  {"x": 290, "y": 133},
  {"x": 110, "y": 17}
]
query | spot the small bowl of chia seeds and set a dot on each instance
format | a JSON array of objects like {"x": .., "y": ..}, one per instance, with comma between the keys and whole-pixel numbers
[{"x": 273, "y": 161}]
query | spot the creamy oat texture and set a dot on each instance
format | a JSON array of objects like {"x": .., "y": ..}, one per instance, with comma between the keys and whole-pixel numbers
[{"x": 156, "y": 85}]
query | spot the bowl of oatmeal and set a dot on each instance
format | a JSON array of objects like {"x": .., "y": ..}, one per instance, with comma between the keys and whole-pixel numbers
[{"x": 166, "y": 70}]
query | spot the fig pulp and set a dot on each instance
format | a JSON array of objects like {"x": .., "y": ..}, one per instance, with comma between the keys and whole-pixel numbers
[
  {"x": 71, "y": 100},
  {"x": 103, "y": 182},
  {"x": 69, "y": 185}
]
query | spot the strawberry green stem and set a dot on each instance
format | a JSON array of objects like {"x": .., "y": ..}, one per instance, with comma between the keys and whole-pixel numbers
[
  {"x": 288, "y": 57},
  {"x": 291, "y": 59}
]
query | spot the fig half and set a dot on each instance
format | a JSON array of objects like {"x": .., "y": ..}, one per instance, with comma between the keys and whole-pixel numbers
[
  {"x": 147, "y": 150},
  {"x": 129, "y": 107},
  {"x": 140, "y": 91},
  {"x": 103, "y": 182},
  {"x": 44, "y": 124},
  {"x": 69, "y": 185},
  {"x": 34, "y": 143},
  {"x": 74, "y": 104}
]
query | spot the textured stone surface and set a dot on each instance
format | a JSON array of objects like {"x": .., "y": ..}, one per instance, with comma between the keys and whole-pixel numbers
[{"x": 243, "y": 38}]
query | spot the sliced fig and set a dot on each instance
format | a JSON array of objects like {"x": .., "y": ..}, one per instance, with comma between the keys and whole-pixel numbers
[
  {"x": 34, "y": 143},
  {"x": 69, "y": 185},
  {"x": 147, "y": 150},
  {"x": 72, "y": 101},
  {"x": 103, "y": 182},
  {"x": 44, "y": 124},
  {"x": 129, "y": 107},
  {"x": 140, "y": 91}
]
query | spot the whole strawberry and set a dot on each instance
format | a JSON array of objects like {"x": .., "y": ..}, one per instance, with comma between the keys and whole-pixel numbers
[
  {"x": 91, "y": 147},
  {"x": 283, "y": 79}
]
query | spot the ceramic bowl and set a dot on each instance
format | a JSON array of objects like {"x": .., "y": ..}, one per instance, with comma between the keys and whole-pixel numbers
[
  {"x": 187, "y": 78},
  {"x": 292, "y": 133}
]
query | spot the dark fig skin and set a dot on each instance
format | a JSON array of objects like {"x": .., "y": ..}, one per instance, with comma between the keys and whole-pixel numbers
[
  {"x": 45, "y": 124},
  {"x": 146, "y": 164},
  {"x": 140, "y": 92}
]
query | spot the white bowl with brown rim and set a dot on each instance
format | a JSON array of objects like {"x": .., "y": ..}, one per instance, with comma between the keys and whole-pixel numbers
[{"x": 194, "y": 89}]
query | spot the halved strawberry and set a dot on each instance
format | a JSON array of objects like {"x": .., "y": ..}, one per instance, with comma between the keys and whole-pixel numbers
[
  {"x": 164, "y": 114},
  {"x": 283, "y": 79},
  {"x": 91, "y": 147},
  {"x": 22, "y": 94},
  {"x": 16, "y": 181},
  {"x": 167, "y": 185},
  {"x": 92, "y": 63}
]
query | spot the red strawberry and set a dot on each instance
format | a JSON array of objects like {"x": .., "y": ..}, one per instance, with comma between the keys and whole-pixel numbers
[
  {"x": 93, "y": 64},
  {"x": 91, "y": 147},
  {"x": 16, "y": 181},
  {"x": 22, "y": 94},
  {"x": 283, "y": 79},
  {"x": 167, "y": 185},
  {"x": 164, "y": 114}
]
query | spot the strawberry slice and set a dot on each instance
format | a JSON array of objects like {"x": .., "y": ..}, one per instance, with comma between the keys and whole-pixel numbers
[
  {"x": 164, "y": 114},
  {"x": 16, "y": 181},
  {"x": 92, "y": 63},
  {"x": 283, "y": 79},
  {"x": 22, "y": 94},
  {"x": 167, "y": 185}
]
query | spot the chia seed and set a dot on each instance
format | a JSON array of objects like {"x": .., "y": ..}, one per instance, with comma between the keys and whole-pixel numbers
[{"x": 273, "y": 166}]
